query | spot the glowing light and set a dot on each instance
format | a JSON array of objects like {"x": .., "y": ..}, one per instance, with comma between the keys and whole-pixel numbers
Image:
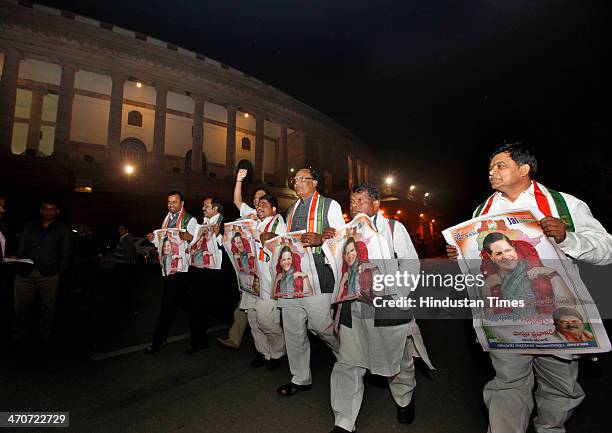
[
  {"x": 138, "y": 84},
  {"x": 399, "y": 212},
  {"x": 412, "y": 187},
  {"x": 421, "y": 215},
  {"x": 292, "y": 170},
  {"x": 389, "y": 180},
  {"x": 129, "y": 169},
  {"x": 246, "y": 114},
  {"x": 426, "y": 194},
  {"x": 433, "y": 221}
]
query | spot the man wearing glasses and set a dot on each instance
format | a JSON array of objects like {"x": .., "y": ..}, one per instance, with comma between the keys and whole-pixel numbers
[{"x": 319, "y": 216}]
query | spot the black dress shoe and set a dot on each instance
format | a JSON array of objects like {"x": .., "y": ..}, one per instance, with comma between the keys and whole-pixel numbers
[
  {"x": 193, "y": 349},
  {"x": 405, "y": 414},
  {"x": 155, "y": 347},
  {"x": 258, "y": 361},
  {"x": 273, "y": 364}
]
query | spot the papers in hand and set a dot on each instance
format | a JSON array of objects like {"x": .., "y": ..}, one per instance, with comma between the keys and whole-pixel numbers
[{"x": 10, "y": 260}]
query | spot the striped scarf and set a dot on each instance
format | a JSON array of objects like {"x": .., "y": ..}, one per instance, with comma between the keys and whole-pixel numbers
[
  {"x": 315, "y": 217},
  {"x": 543, "y": 206}
]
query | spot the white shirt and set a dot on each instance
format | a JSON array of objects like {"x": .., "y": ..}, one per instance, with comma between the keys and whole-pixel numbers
[
  {"x": 590, "y": 242},
  {"x": 190, "y": 228},
  {"x": 399, "y": 242},
  {"x": 247, "y": 211}
]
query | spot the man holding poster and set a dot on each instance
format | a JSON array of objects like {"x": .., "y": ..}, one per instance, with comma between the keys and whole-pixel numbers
[
  {"x": 318, "y": 216},
  {"x": 174, "y": 260},
  {"x": 568, "y": 223},
  {"x": 383, "y": 340}
]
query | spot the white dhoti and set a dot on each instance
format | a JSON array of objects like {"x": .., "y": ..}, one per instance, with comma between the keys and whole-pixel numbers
[
  {"x": 300, "y": 315},
  {"x": 264, "y": 319},
  {"x": 384, "y": 350},
  {"x": 508, "y": 395}
]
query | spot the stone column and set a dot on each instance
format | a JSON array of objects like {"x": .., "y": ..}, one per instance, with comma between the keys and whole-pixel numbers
[
  {"x": 197, "y": 146},
  {"x": 113, "y": 146},
  {"x": 282, "y": 160},
  {"x": 64, "y": 110},
  {"x": 259, "y": 149},
  {"x": 8, "y": 96},
  {"x": 230, "y": 149},
  {"x": 159, "y": 131},
  {"x": 35, "y": 118}
]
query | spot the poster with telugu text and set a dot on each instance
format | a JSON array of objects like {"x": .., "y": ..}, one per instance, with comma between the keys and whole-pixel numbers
[{"x": 531, "y": 297}]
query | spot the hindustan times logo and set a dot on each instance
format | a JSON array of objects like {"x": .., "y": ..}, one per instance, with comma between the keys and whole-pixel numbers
[{"x": 410, "y": 280}]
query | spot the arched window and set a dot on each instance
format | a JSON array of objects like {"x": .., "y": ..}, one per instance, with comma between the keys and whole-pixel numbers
[
  {"x": 134, "y": 151},
  {"x": 246, "y": 143},
  {"x": 135, "y": 118},
  {"x": 188, "y": 162}
]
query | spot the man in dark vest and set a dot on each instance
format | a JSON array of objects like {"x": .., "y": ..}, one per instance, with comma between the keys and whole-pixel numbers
[
  {"x": 372, "y": 337},
  {"x": 318, "y": 216},
  {"x": 175, "y": 285}
]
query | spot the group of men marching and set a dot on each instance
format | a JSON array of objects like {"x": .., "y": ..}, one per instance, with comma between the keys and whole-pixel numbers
[{"x": 366, "y": 338}]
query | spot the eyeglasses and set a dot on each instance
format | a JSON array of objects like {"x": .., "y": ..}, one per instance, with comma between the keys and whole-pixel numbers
[{"x": 300, "y": 179}]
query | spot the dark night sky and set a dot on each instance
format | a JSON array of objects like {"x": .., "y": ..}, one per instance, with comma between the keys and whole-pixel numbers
[{"x": 436, "y": 83}]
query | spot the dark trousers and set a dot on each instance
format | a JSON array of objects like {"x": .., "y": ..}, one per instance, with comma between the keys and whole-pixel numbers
[
  {"x": 25, "y": 290},
  {"x": 174, "y": 297},
  {"x": 199, "y": 317},
  {"x": 213, "y": 294}
]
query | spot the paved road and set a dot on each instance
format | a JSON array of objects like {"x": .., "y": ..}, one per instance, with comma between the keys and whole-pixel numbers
[{"x": 215, "y": 391}]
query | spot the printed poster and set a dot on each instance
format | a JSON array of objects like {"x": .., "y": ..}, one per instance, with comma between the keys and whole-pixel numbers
[
  {"x": 173, "y": 252},
  {"x": 205, "y": 252},
  {"x": 240, "y": 245},
  {"x": 350, "y": 253},
  {"x": 292, "y": 267},
  {"x": 532, "y": 299}
]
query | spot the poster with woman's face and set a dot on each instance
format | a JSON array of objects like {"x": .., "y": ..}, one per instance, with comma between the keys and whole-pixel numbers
[
  {"x": 292, "y": 267},
  {"x": 531, "y": 297},
  {"x": 240, "y": 246},
  {"x": 173, "y": 252},
  {"x": 351, "y": 253},
  {"x": 205, "y": 253}
]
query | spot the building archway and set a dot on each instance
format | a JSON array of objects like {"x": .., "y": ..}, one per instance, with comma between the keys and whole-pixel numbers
[
  {"x": 134, "y": 151},
  {"x": 188, "y": 162}
]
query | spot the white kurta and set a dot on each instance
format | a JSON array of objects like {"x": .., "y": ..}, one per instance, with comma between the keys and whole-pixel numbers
[
  {"x": 508, "y": 395},
  {"x": 263, "y": 314},
  {"x": 384, "y": 350}
]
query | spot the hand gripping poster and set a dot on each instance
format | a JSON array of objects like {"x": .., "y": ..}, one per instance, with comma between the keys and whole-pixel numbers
[
  {"x": 173, "y": 252},
  {"x": 350, "y": 253},
  {"x": 240, "y": 246},
  {"x": 292, "y": 267},
  {"x": 205, "y": 252},
  {"x": 531, "y": 298}
]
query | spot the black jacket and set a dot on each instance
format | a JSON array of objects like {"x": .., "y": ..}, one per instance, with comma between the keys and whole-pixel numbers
[{"x": 50, "y": 248}]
